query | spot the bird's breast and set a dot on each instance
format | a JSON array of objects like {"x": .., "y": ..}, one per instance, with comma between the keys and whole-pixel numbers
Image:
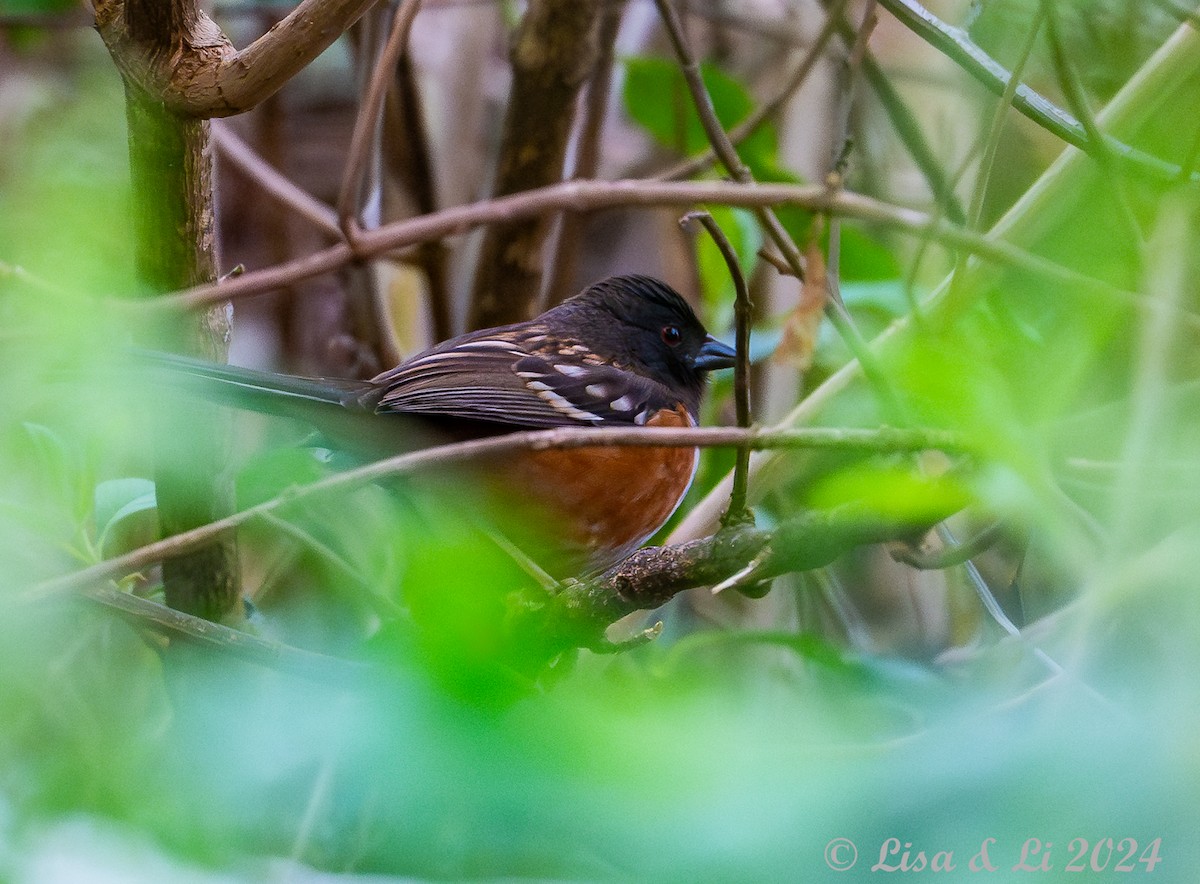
[{"x": 599, "y": 504}]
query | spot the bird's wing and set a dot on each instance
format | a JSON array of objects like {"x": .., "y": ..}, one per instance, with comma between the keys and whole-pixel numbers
[{"x": 512, "y": 381}]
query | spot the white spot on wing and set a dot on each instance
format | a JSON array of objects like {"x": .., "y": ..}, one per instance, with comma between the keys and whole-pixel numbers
[
  {"x": 622, "y": 404},
  {"x": 597, "y": 391},
  {"x": 491, "y": 344},
  {"x": 640, "y": 417},
  {"x": 571, "y": 371},
  {"x": 434, "y": 357},
  {"x": 559, "y": 403}
]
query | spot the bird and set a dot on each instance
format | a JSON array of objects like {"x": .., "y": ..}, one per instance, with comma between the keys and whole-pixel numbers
[{"x": 627, "y": 351}]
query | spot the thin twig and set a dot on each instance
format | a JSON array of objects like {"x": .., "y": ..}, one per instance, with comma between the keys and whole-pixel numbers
[
  {"x": 743, "y": 312},
  {"x": 988, "y": 599},
  {"x": 775, "y": 261},
  {"x": 366, "y": 124},
  {"x": 728, "y": 155},
  {"x": 768, "y": 109},
  {"x": 958, "y": 47},
  {"x": 882, "y": 440},
  {"x": 717, "y": 137},
  {"x": 1076, "y": 99},
  {"x": 247, "y": 160},
  {"x": 915, "y": 308},
  {"x": 242, "y": 645},
  {"x": 975, "y": 212},
  {"x": 1050, "y": 200},
  {"x": 999, "y": 116},
  {"x": 590, "y": 195},
  {"x": 907, "y": 127},
  {"x": 954, "y": 554},
  {"x": 842, "y": 144}
]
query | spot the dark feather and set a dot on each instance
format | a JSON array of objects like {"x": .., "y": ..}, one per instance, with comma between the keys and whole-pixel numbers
[{"x": 508, "y": 378}]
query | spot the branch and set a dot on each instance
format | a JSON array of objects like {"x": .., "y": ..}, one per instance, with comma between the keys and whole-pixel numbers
[
  {"x": 768, "y": 109},
  {"x": 743, "y": 314},
  {"x": 1049, "y": 202},
  {"x": 246, "y": 160},
  {"x": 366, "y": 124},
  {"x": 242, "y": 645},
  {"x": 956, "y": 45},
  {"x": 205, "y": 76},
  {"x": 999, "y": 118},
  {"x": 883, "y": 440},
  {"x": 905, "y": 124},
  {"x": 907, "y": 127},
  {"x": 583, "y": 196},
  {"x": 647, "y": 579},
  {"x": 834, "y": 309}
]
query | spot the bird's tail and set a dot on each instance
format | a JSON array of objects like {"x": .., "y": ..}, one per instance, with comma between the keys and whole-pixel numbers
[{"x": 261, "y": 391}]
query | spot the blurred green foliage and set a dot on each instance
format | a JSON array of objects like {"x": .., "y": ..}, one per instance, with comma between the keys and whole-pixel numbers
[
  {"x": 723, "y": 755},
  {"x": 653, "y": 85}
]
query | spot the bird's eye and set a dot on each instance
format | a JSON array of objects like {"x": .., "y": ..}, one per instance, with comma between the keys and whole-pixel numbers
[{"x": 671, "y": 335}]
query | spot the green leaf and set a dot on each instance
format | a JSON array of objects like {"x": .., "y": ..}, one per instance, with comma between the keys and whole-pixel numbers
[
  {"x": 119, "y": 499},
  {"x": 657, "y": 99},
  {"x": 885, "y": 297},
  {"x": 59, "y": 464},
  {"x": 795, "y": 220},
  {"x": 865, "y": 258},
  {"x": 269, "y": 473},
  {"x": 892, "y": 492},
  {"x": 743, "y": 233}
]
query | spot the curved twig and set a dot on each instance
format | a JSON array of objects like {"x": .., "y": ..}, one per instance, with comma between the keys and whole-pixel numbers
[
  {"x": 246, "y": 160},
  {"x": 743, "y": 314},
  {"x": 886, "y": 439},
  {"x": 367, "y": 121},
  {"x": 589, "y": 195}
]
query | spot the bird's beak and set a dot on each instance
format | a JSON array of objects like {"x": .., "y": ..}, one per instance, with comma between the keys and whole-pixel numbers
[{"x": 713, "y": 355}]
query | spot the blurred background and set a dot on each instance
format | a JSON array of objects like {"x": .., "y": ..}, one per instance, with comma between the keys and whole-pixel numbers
[{"x": 1039, "y": 691}]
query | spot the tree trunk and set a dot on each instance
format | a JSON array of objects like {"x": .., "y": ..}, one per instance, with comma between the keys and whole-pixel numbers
[
  {"x": 554, "y": 53},
  {"x": 171, "y": 170}
]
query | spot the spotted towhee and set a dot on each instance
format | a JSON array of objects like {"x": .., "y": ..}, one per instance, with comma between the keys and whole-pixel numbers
[{"x": 627, "y": 351}]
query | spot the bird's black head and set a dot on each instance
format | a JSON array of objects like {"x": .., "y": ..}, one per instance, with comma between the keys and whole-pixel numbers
[{"x": 644, "y": 325}]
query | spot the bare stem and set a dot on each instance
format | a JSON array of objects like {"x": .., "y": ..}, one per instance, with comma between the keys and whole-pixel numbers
[
  {"x": 835, "y": 310},
  {"x": 768, "y": 109},
  {"x": 958, "y": 47},
  {"x": 143, "y": 612},
  {"x": 367, "y": 122},
  {"x": 743, "y": 312},
  {"x": 246, "y": 160},
  {"x": 591, "y": 195},
  {"x": 885, "y": 440}
]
